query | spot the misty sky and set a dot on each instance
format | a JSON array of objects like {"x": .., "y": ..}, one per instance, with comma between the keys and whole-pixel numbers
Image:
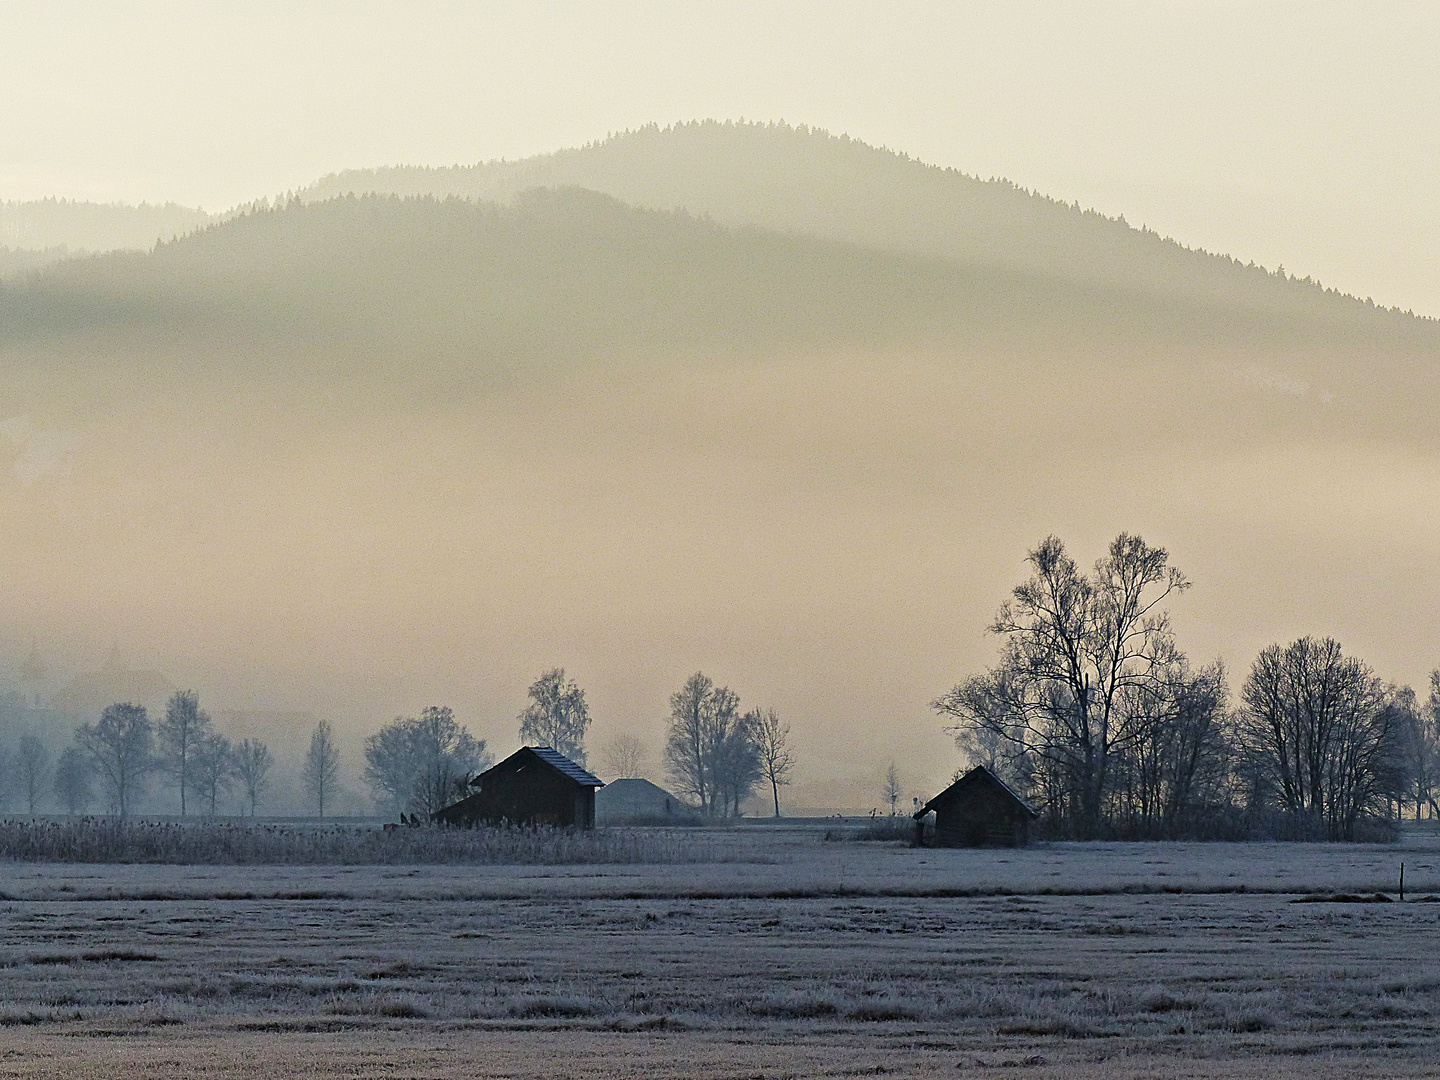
[{"x": 1304, "y": 134}]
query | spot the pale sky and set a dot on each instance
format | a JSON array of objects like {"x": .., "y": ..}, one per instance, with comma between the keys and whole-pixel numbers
[{"x": 1303, "y": 134}]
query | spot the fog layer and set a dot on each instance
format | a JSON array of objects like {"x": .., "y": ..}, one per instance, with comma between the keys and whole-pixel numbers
[{"x": 362, "y": 454}]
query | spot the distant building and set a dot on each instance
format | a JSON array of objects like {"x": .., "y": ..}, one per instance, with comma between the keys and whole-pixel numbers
[
  {"x": 533, "y": 786},
  {"x": 635, "y": 801},
  {"x": 114, "y": 684},
  {"x": 978, "y": 810}
]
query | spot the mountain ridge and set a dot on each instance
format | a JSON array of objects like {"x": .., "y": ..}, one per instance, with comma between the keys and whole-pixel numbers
[
  {"x": 803, "y": 170},
  {"x": 752, "y": 174},
  {"x": 457, "y": 287}
]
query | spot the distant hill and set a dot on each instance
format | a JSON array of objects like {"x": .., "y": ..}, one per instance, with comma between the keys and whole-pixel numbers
[
  {"x": 420, "y": 292},
  {"x": 83, "y": 226},
  {"x": 799, "y": 179}
]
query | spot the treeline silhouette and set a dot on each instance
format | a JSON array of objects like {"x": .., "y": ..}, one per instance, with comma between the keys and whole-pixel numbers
[
  {"x": 43, "y": 224},
  {"x": 1096, "y": 714}
]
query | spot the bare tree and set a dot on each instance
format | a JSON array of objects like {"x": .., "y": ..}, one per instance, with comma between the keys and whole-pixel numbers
[
  {"x": 687, "y": 742},
  {"x": 892, "y": 790},
  {"x": 322, "y": 766},
  {"x": 119, "y": 746},
  {"x": 212, "y": 765},
  {"x": 711, "y": 750},
  {"x": 1076, "y": 647},
  {"x": 390, "y": 764},
  {"x": 736, "y": 753},
  {"x": 624, "y": 756},
  {"x": 422, "y": 764},
  {"x": 184, "y": 729},
  {"x": 32, "y": 768},
  {"x": 446, "y": 756},
  {"x": 1317, "y": 723},
  {"x": 557, "y": 715},
  {"x": 1422, "y": 748},
  {"x": 252, "y": 765},
  {"x": 73, "y": 774},
  {"x": 7, "y": 777},
  {"x": 772, "y": 737}
]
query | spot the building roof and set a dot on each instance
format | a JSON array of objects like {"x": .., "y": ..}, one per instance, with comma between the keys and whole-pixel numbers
[
  {"x": 978, "y": 775},
  {"x": 632, "y": 787},
  {"x": 560, "y": 763}
]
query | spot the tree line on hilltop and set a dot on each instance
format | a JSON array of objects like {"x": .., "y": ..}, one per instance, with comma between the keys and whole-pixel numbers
[{"x": 1095, "y": 714}]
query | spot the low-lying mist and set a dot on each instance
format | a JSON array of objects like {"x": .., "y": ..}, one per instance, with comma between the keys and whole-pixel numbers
[{"x": 359, "y": 457}]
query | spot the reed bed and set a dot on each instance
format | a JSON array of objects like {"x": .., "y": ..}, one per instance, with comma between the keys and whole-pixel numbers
[{"x": 99, "y": 840}]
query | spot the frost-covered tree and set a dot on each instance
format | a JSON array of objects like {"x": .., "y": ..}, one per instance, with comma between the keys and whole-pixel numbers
[
  {"x": 1078, "y": 649},
  {"x": 557, "y": 715},
  {"x": 687, "y": 740},
  {"x": 738, "y": 767},
  {"x": 119, "y": 746},
  {"x": 772, "y": 738},
  {"x": 892, "y": 789},
  {"x": 321, "y": 770},
  {"x": 424, "y": 763},
  {"x": 212, "y": 765},
  {"x": 181, "y": 733},
  {"x": 1319, "y": 724},
  {"x": 711, "y": 749},
  {"x": 253, "y": 762},
  {"x": 623, "y": 756},
  {"x": 32, "y": 770},
  {"x": 73, "y": 780}
]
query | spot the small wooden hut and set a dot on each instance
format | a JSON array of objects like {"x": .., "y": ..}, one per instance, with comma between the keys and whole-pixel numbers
[
  {"x": 533, "y": 786},
  {"x": 978, "y": 810}
]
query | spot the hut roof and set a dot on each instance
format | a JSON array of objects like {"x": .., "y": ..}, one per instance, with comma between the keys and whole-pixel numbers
[
  {"x": 978, "y": 775},
  {"x": 635, "y": 787},
  {"x": 556, "y": 760}
]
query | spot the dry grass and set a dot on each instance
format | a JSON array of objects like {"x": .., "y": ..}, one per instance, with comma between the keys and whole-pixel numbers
[{"x": 201, "y": 844}]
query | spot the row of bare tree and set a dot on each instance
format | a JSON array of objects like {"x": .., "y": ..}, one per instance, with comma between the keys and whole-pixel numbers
[
  {"x": 717, "y": 755},
  {"x": 1095, "y": 713},
  {"x": 417, "y": 765},
  {"x": 124, "y": 752}
]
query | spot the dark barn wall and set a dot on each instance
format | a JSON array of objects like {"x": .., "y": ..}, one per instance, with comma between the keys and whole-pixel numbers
[
  {"x": 528, "y": 792},
  {"x": 981, "y": 816}
]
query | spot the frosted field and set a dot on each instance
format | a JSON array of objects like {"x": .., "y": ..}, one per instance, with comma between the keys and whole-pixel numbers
[{"x": 787, "y": 956}]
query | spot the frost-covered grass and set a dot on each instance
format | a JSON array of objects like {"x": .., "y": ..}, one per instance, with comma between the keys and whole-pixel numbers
[
  {"x": 747, "y": 862},
  {"x": 1187, "y": 976},
  {"x": 869, "y": 955},
  {"x": 200, "y": 843}
]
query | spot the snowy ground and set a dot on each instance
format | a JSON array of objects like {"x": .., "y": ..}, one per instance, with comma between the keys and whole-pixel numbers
[{"x": 815, "y": 959}]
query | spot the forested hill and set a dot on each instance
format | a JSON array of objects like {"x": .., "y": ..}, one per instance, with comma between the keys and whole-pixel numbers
[
  {"x": 44, "y": 231},
  {"x": 805, "y": 180},
  {"x": 46, "y": 224},
  {"x": 453, "y": 289}
]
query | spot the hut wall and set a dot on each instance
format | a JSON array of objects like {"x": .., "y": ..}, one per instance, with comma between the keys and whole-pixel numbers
[
  {"x": 982, "y": 816},
  {"x": 532, "y": 796}
]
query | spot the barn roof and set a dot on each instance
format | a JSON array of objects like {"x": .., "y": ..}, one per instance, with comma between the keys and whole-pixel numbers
[
  {"x": 637, "y": 787},
  {"x": 978, "y": 775},
  {"x": 561, "y": 763}
]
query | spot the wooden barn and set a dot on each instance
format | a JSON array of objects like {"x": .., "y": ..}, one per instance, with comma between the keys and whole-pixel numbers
[
  {"x": 978, "y": 810},
  {"x": 533, "y": 786}
]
